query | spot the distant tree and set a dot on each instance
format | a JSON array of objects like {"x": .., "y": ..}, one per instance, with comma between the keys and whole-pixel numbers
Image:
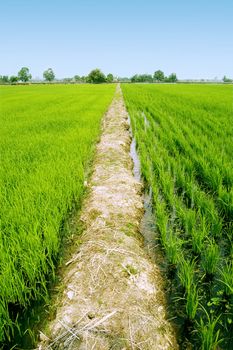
[
  {"x": 67, "y": 80},
  {"x": 226, "y": 80},
  {"x": 134, "y": 78},
  {"x": 172, "y": 78},
  {"x": 13, "y": 79},
  {"x": 146, "y": 78},
  {"x": 77, "y": 78},
  {"x": 4, "y": 79},
  {"x": 24, "y": 74},
  {"x": 83, "y": 79},
  {"x": 110, "y": 78},
  {"x": 96, "y": 77},
  {"x": 159, "y": 75},
  {"x": 49, "y": 74},
  {"x": 124, "y": 79},
  {"x": 142, "y": 78}
]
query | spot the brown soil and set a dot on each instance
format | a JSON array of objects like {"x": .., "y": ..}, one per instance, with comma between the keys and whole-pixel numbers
[{"x": 113, "y": 296}]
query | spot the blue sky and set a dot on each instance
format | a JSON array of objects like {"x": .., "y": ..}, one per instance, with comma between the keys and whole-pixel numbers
[{"x": 193, "y": 38}]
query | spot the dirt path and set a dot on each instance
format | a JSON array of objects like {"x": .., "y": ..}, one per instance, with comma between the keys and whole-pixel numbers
[{"x": 113, "y": 297}]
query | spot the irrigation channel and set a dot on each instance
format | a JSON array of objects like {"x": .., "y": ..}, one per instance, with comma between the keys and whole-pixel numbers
[
  {"x": 113, "y": 294},
  {"x": 147, "y": 224}
]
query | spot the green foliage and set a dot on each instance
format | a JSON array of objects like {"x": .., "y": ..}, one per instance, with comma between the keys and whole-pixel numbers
[
  {"x": 79, "y": 79},
  {"x": 24, "y": 74},
  {"x": 186, "y": 273},
  {"x": 13, "y": 79},
  {"x": 184, "y": 138},
  {"x": 47, "y": 140},
  {"x": 4, "y": 79},
  {"x": 226, "y": 80},
  {"x": 172, "y": 245},
  {"x": 142, "y": 78},
  {"x": 209, "y": 336},
  {"x": 172, "y": 78},
  {"x": 109, "y": 78},
  {"x": 226, "y": 278},
  {"x": 210, "y": 257},
  {"x": 49, "y": 74},
  {"x": 159, "y": 76},
  {"x": 192, "y": 302},
  {"x": 96, "y": 77}
]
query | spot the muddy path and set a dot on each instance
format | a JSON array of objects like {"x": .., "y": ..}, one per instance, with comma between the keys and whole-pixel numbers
[{"x": 113, "y": 296}]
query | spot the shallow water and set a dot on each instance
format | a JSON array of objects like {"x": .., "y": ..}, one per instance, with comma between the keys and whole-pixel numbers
[
  {"x": 147, "y": 225},
  {"x": 136, "y": 161}
]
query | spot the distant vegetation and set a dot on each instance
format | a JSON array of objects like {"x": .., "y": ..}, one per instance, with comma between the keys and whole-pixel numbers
[
  {"x": 227, "y": 80},
  {"x": 49, "y": 74},
  {"x": 158, "y": 77},
  {"x": 96, "y": 76},
  {"x": 24, "y": 75}
]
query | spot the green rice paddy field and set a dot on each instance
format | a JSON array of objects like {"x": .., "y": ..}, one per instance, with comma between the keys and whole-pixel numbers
[
  {"x": 47, "y": 139},
  {"x": 184, "y": 136}
]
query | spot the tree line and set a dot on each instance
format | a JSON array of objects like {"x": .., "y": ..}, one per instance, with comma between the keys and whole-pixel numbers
[
  {"x": 158, "y": 77},
  {"x": 96, "y": 76},
  {"x": 24, "y": 76}
]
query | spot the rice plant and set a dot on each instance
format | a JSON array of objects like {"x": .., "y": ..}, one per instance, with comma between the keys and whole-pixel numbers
[
  {"x": 186, "y": 273},
  {"x": 162, "y": 219},
  {"x": 192, "y": 301},
  {"x": 173, "y": 247},
  {"x": 226, "y": 278},
  {"x": 210, "y": 337},
  {"x": 210, "y": 257}
]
